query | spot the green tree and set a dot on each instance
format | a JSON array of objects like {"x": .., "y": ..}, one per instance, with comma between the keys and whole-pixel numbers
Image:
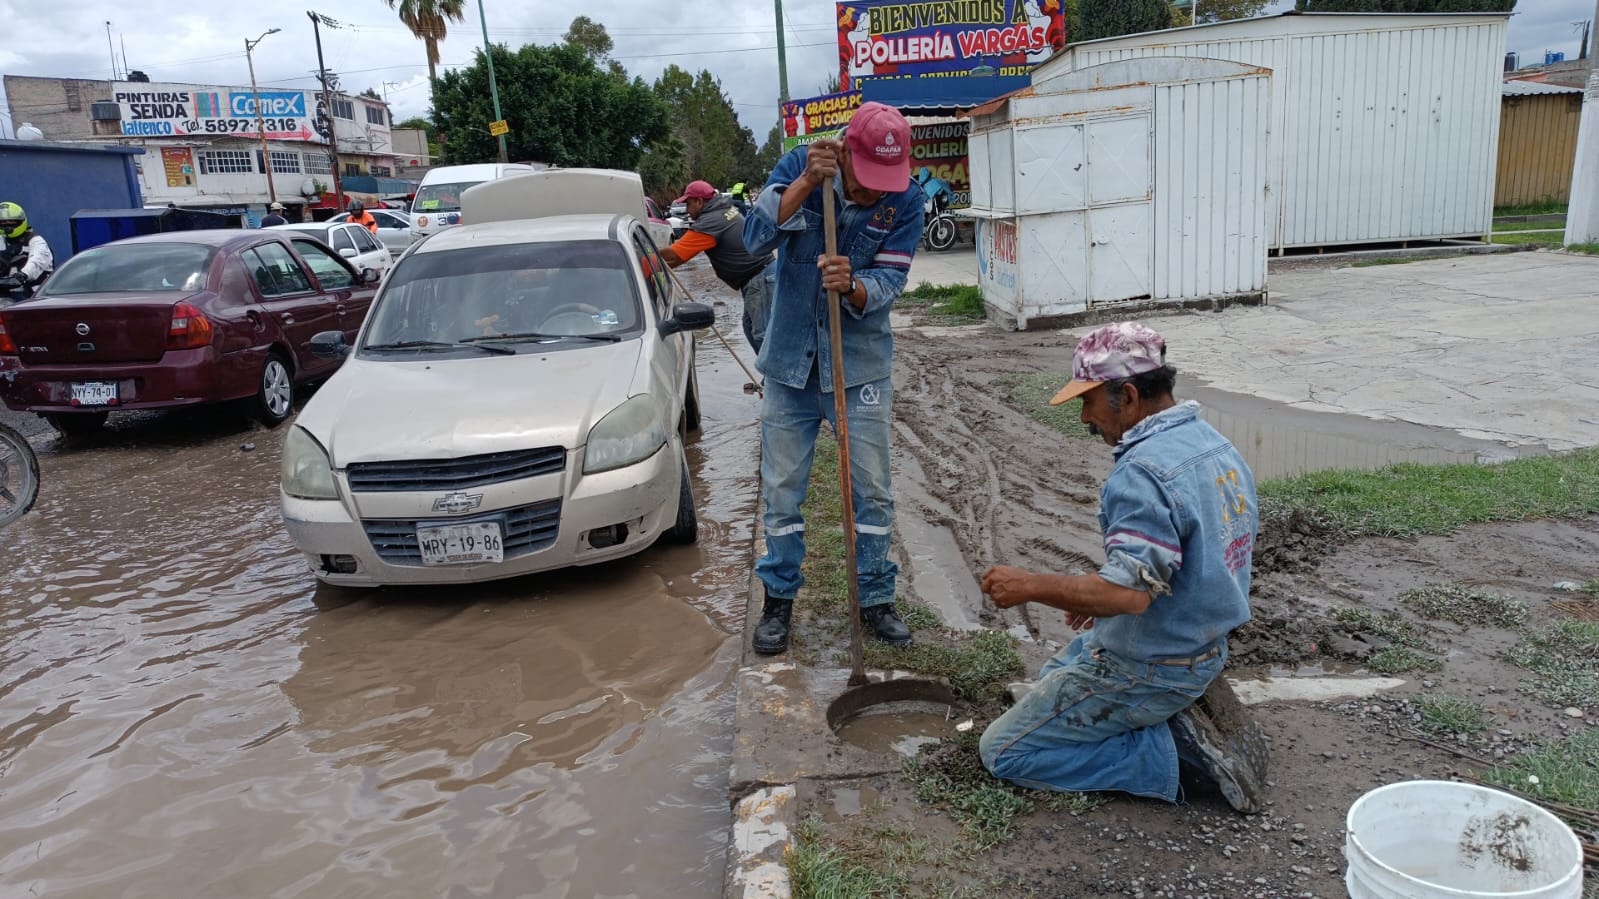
[
  {"x": 562, "y": 107},
  {"x": 716, "y": 148},
  {"x": 427, "y": 128},
  {"x": 771, "y": 151},
  {"x": 429, "y": 21},
  {"x": 1216, "y": 10},
  {"x": 1406, "y": 5},
  {"x": 1113, "y": 18},
  {"x": 590, "y": 36},
  {"x": 663, "y": 169}
]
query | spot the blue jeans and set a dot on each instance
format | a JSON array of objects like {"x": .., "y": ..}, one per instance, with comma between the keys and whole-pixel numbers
[
  {"x": 789, "y": 421},
  {"x": 1097, "y": 721},
  {"x": 758, "y": 305}
]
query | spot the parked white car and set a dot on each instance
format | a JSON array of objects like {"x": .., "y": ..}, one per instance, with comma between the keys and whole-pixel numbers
[
  {"x": 516, "y": 402},
  {"x": 394, "y": 228},
  {"x": 353, "y": 242}
]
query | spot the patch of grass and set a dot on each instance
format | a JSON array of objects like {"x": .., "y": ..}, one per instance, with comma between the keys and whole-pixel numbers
[
  {"x": 1564, "y": 662},
  {"x": 1390, "y": 627},
  {"x": 1032, "y": 393},
  {"x": 1411, "y": 500},
  {"x": 1545, "y": 208},
  {"x": 963, "y": 302},
  {"x": 1400, "y": 659},
  {"x": 1567, "y": 771},
  {"x": 978, "y": 664},
  {"x": 1502, "y": 227},
  {"x": 1444, "y": 714},
  {"x": 1387, "y": 260},
  {"x": 1551, "y": 239},
  {"x": 820, "y": 870},
  {"x": 1465, "y": 605},
  {"x": 1591, "y": 249},
  {"x": 1591, "y": 588}
]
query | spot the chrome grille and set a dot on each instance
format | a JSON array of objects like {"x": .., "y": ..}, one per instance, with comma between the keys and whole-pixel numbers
[
  {"x": 422, "y": 475},
  {"x": 525, "y": 529}
]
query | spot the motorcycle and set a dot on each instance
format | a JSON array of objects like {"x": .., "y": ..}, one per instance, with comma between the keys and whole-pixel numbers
[
  {"x": 14, "y": 286},
  {"x": 940, "y": 231},
  {"x": 19, "y": 476}
]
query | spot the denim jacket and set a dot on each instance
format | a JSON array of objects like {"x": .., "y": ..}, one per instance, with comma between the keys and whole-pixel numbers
[
  {"x": 1179, "y": 517},
  {"x": 880, "y": 241}
]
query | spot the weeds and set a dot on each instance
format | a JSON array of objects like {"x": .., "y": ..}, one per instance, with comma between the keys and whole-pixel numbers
[
  {"x": 1590, "y": 249},
  {"x": 1387, "y": 260},
  {"x": 1412, "y": 500},
  {"x": 1444, "y": 714},
  {"x": 1545, "y": 208},
  {"x": 1465, "y": 606},
  {"x": 1522, "y": 238},
  {"x": 977, "y": 664},
  {"x": 1591, "y": 588},
  {"x": 817, "y": 870},
  {"x": 1032, "y": 393},
  {"x": 1398, "y": 660},
  {"x": 1565, "y": 771},
  {"x": 1564, "y": 662},
  {"x": 958, "y": 303},
  {"x": 1390, "y": 627}
]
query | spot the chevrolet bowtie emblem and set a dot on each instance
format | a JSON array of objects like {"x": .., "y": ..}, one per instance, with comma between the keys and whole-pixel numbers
[{"x": 457, "y": 503}]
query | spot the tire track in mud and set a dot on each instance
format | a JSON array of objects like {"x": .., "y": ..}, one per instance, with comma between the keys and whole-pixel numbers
[{"x": 1010, "y": 490}]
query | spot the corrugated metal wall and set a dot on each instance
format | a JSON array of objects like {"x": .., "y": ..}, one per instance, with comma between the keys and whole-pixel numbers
[
  {"x": 1210, "y": 176},
  {"x": 1537, "y": 148},
  {"x": 1378, "y": 133}
]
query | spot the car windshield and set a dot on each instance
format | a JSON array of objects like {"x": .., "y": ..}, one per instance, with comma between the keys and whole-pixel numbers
[
  {"x": 441, "y": 197},
  {"x": 121, "y": 267},
  {"x": 510, "y": 294}
]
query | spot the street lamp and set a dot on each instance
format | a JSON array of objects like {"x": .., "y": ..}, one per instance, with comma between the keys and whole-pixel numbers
[{"x": 260, "y": 122}]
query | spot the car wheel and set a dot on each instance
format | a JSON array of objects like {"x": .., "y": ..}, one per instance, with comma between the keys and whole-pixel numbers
[
  {"x": 691, "y": 402},
  {"x": 687, "y": 528},
  {"x": 274, "y": 398},
  {"x": 77, "y": 424}
]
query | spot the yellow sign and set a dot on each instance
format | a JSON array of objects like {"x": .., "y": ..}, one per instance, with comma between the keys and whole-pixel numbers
[{"x": 499, "y": 128}]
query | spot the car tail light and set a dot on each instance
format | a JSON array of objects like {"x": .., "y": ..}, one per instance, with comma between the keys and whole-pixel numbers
[
  {"x": 7, "y": 347},
  {"x": 189, "y": 329}
]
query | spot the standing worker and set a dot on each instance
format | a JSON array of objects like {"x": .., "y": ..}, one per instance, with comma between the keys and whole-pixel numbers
[
  {"x": 360, "y": 216},
  {"x": 274, "y": 216},
  {"x": 879, "y": 225},
  {"x": 1131, "y": 696},
  {"x": 716, "y": 229}
]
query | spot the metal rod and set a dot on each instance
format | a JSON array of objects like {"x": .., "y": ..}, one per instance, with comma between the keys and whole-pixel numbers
[
  {"x": 857, "y": 673},
  {"x": 759, "y": 389}
]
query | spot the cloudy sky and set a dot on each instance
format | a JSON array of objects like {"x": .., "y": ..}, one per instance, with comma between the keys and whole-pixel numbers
[{"x": 734, "y": 39}]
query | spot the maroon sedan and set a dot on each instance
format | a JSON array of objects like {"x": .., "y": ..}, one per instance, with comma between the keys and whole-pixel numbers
[{"x": 179, "y": 319}]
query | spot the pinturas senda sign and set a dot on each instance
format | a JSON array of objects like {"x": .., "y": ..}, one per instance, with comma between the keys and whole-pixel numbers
[{"x": 182, "y": 110}]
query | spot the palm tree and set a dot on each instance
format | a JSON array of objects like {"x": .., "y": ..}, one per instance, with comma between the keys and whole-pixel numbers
[{"x": 427, "y": 20}]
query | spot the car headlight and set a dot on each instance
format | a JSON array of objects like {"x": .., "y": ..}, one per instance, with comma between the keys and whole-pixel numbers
[
  {"x": 307, "y": 474},
  {"x": 631, "y": 433}
]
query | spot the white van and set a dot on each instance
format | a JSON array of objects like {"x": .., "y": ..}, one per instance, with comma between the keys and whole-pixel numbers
[{"x": 438, "y": 199}]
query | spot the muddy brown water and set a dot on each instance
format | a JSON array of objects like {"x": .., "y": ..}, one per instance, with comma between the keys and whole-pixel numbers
[{"x": 184, "y": 712}]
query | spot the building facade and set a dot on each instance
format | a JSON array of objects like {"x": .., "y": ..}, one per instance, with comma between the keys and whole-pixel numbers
[{"x": 202, "y": 143}]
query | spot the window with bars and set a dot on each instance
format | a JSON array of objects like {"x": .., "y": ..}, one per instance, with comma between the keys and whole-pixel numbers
[
  {"x": 344, "y": 109},
  {"x": 318, "y": 164},
  {"x": 226, "y": 162},
  {"x": 382, "y": 171},
  {"x": 375, "y": 116},
  {"x": 286, "y": 162},
  {"x": 352, "y": 168}
]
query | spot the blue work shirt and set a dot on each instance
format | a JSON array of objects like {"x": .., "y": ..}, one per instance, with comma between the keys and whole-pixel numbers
[
  {"x": 1179, "y": 517},
  {"x": 880, "y": 241}
]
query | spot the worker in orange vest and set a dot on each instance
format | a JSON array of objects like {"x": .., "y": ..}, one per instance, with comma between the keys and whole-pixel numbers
[{"x": 360, "y": 216}]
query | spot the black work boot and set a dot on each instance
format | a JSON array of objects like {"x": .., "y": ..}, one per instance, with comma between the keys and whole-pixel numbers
[
  {"x": 771, "y": 635},
  {"x": 1217, "y": 736},
  {"x": 884, "y": 620}
]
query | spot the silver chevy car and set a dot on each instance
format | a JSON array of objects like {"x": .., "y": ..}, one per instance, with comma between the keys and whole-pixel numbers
[{"x": 516, "y": 401}]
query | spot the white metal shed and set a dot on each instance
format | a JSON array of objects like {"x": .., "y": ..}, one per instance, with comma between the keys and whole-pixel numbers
[
  {"x": 1385, "y": 127},
  {"x": 1138, "y": 182}
]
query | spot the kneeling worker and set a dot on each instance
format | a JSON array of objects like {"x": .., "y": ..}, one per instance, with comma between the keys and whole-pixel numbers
[
  {"x": 1117, "y": 710},
  {"x": 716, "y": 228}
]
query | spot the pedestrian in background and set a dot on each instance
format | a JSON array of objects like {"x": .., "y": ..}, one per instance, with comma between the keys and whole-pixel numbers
[{"x": 274, "y": 216}]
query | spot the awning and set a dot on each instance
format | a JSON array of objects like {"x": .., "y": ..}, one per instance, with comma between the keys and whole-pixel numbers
[{"x": 930, "y": 96}]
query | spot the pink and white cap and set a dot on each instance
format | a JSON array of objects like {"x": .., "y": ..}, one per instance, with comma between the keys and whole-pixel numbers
[
  {"x": 879, "y": 142},
  {"x": 1119, "y": 350}
]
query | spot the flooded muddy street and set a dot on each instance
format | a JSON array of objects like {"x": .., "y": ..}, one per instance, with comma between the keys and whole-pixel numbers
[{"x": 184, "y": 712}]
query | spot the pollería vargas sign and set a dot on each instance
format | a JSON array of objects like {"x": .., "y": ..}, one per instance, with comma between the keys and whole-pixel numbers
[
  {"x": 185, "y": 110},
  {"x": 945, "y": 38}
]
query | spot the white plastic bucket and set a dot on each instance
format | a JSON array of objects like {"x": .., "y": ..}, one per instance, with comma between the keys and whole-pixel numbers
[{"x": 1430, "y": 839}]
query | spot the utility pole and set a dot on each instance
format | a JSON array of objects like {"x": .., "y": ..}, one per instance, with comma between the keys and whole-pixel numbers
[
  {"x": 112, "y": 47},
  {"x": 260, "y": 121},
  {"x": 494, "y": 88},
  {"x": 327, "y": 103},
  {"x": 782, "y": 56}
]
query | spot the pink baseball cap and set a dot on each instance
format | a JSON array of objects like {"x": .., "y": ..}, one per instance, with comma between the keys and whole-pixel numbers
[
  {"x": 879, "y": 142},
  {"x": 1119, "y": 350},
  {"x": 698, "y": 190}
]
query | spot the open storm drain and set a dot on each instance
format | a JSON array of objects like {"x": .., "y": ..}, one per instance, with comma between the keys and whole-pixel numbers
[{"x": 895, "y": 716}]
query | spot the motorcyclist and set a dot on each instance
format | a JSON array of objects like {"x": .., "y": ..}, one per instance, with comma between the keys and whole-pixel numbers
[
  {"x": 360, "y": 216},
  {"x": 26, "y": 260}
]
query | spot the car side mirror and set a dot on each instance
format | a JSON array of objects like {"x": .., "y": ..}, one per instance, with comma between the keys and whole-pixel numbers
[
  {"x": 688, "y": 317},
  {"x": 348, "y": 253},
  {"x": 329, "y": 345},
  {"x": 371, "y": 276}
]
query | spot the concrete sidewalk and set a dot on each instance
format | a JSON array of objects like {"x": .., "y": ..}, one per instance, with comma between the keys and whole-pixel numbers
[{"x": 1499, "y": 348}]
